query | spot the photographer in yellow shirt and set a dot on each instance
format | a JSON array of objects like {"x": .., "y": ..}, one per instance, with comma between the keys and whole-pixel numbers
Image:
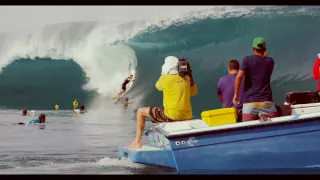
[{"x": 177, "y": 84}]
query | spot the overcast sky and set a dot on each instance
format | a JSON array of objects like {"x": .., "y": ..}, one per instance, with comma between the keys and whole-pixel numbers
[{"x": 17, "y": 18}]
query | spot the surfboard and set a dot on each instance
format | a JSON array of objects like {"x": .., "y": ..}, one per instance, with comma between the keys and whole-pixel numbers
[
  {"x": 123, "y": 100},
  {"x": 115, "y": 97}
]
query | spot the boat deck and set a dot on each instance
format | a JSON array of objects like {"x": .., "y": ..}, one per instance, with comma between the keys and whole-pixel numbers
[{"x": 311, "y": 111}]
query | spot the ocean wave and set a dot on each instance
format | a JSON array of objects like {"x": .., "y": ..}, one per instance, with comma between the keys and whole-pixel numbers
[{"x": 106, "y": 53}]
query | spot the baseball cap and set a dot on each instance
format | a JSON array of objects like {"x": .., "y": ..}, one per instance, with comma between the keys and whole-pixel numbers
[{"x": 257, "y": 41}]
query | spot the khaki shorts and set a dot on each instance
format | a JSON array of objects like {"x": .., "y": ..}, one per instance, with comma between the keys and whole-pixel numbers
[
  {"x": 252, "y": 111},
  {"x": 158, "y": 116}
]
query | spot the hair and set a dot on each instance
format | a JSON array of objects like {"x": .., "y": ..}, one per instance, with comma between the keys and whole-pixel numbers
[
  {"x": 24, "y": 112},
  {"x": 261, "y": 50},
  {"x": 42, "y": 116},
  {"x": 234, "y": 65},
  {"x": 82, "y": 106}
]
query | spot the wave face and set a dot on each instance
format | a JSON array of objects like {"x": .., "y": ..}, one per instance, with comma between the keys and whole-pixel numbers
[{"x": 102, "y": 55}]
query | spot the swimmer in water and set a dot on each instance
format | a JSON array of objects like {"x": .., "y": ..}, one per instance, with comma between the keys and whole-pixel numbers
[
  {"x": 81, "y": 110},
  {"x": 124, "y": 85},
  {"x": 24, "y": 112},
  {"x": 40, "y": 120}
]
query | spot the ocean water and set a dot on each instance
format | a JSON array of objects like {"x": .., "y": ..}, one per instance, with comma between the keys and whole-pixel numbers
[
  {"x": 88, "y": 61},
  {"x": 67, "y": 144}
]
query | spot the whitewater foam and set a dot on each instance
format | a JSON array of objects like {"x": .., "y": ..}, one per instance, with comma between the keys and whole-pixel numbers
[
  {"x": 120, "y": 162},
  {"x": 113, "y": 166}
]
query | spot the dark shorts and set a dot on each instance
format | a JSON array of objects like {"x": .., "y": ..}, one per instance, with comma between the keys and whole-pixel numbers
[
  {"x": 123, "y": 87},
  {"x": 158, "y": 116},
  {"x": 239, "y": 117}
]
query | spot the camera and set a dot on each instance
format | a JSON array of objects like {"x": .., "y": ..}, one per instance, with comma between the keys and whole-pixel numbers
[{"x": 183, "y": 67}]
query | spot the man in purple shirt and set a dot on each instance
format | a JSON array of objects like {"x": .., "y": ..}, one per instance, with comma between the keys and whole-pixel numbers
[
  {"x": 226, "y": 86},
  {"x": 257, "y": 70}
]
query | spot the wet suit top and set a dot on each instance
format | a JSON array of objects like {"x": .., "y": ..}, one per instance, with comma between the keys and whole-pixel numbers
[
  {"x": 124, "y": 84},
  {"x": 34, "y": 121}
]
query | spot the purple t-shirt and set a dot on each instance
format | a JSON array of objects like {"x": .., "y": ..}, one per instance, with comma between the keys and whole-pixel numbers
[
  {"x": 226, "y": 89},
  {"x": 258, "y": 71}
]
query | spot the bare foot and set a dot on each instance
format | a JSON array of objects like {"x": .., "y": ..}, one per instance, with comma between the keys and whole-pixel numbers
[{"x": 135, "y": 145}]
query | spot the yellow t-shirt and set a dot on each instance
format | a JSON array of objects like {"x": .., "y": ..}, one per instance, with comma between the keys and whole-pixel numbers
[{"x": 176, "y": 96}]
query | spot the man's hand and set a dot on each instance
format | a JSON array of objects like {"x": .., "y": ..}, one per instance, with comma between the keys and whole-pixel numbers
[
  {"x": 237, "y": 86},
  {"x": 236, "y": 99},
  {"x": 133, "y": 80}
]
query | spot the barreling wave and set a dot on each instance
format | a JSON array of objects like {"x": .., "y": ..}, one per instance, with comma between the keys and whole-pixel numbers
[{"x": 99, "y": 56}]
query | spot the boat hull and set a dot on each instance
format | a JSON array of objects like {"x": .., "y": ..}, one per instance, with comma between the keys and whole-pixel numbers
[
  {"x": 149, "y": 155},
  {"x": 284, "y": 145}
]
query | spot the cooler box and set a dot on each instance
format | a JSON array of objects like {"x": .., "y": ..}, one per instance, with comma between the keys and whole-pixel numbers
[
  {"x": 219, "y": 117},
  {"x": 306, "y": 97}
]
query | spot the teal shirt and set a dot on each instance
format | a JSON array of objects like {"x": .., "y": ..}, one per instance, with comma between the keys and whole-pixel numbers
[{"x": 34, "y": 121}]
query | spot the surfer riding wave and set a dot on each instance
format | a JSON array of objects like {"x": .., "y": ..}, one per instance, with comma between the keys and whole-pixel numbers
[{"x": 124, "y": 85}]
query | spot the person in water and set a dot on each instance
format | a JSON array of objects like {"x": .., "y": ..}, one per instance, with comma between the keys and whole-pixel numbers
[
  {"x": 257, "y": 70},
  {"x": 24, "y": 112},
  {"x": 177, "y": 87},
  {"x": 316, "y": 71},
  {"x": 40, "y": 120},
  {"x": 81, "y": 108},
  {"x": 226, "y": 88},
  {"x": 124, "y": 85}
]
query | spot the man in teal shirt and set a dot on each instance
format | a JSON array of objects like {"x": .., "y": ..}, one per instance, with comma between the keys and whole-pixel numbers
[{"x": 40, "y": 120}]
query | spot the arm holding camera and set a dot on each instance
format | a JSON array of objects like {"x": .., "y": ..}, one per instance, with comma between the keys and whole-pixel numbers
[
  {"x": 184, "y": 69},
  {"x": 193, "y": 86},
  {"x": 191, "y": 78}
]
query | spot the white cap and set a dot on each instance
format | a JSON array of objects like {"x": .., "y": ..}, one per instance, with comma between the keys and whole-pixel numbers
[
  {"x": 170, "y": 65},
  {"x": 318, "y": 55}
]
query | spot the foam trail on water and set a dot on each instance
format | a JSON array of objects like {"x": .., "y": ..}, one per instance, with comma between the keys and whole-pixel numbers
[{"x": 122, "y": 162}]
